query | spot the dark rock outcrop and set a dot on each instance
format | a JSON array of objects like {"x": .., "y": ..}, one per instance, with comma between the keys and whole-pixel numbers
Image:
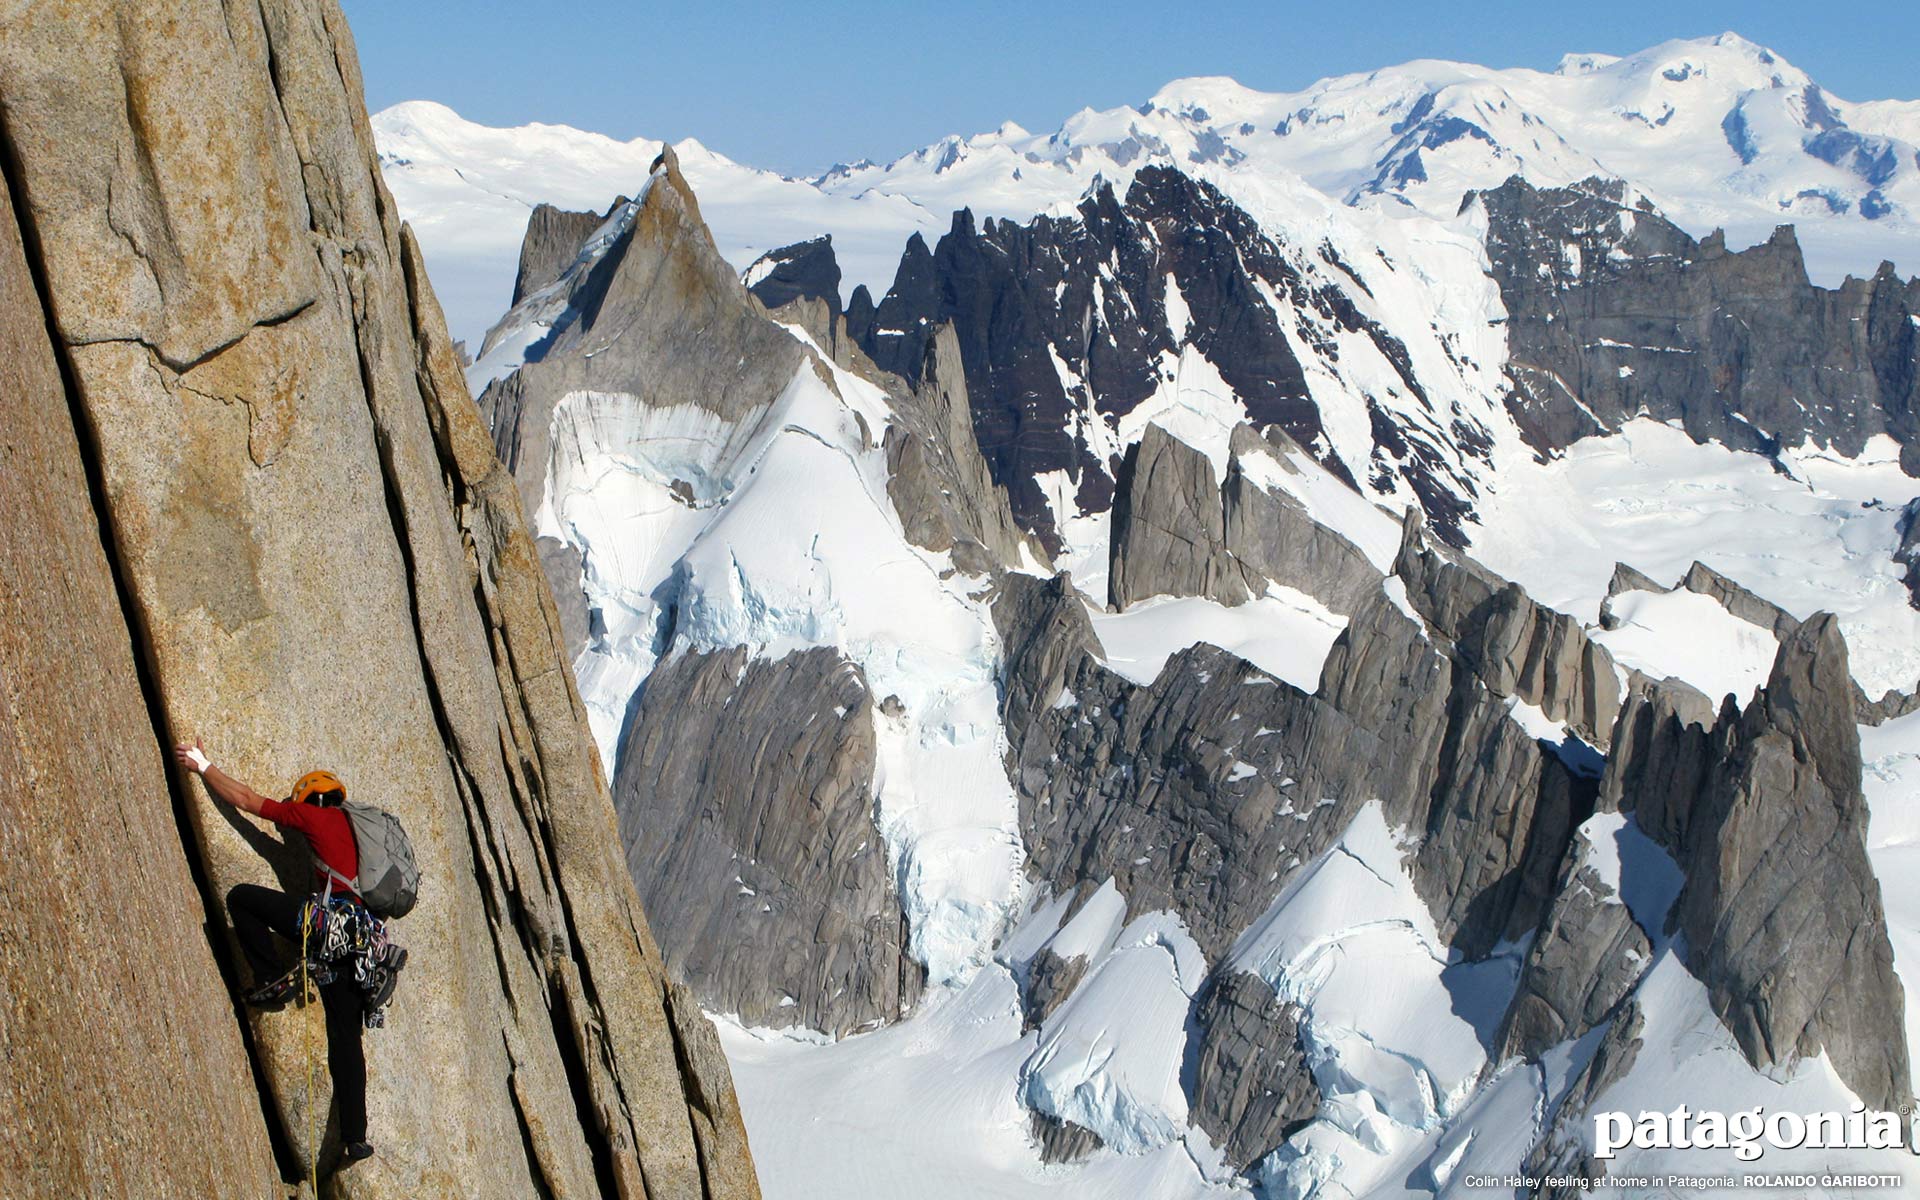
[
  {"x": 1908, "y": 552},
  {"x": 1514, "y": 645},
  {"x": 1751, "y": 608},
  {"x": 745, "y": 793},
  {"x": 1169, "y": 528},
  {"x": 1666, "y": 738},
  {"x": 1061, "y": 1141},
  {"x": 1132, "y": 782},
  {"x": 1090, "y": 292},
  {"x": 1614, "y": 311},
  {"x": 1627, "y": 579},
  {"x": 553, "y": 240},
  {"x": 1250, "y": 1085},
  {"x": 1781, "y": 910},
  {"x": 1585, "y": 960},
  {"x": 938, "y": 483},
  {"x": 1891, "y": 706},
  {"x": 803, "y": 271},
  {"x": 1273, "y": 536},
  {"x": 316, "y": 558},
  {"x": 1045, "y": 982},
  {"x": 1150, "y": 785},
  {"x": 1174, "y": 533}
]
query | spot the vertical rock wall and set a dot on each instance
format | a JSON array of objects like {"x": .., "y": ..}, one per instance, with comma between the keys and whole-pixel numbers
[
  {"x": 122, "y": 1069},
  {"x": 324, "y": 564}
]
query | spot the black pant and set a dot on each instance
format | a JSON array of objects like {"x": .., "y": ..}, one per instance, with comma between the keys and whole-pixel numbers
[{"x": 259, "y": 913}]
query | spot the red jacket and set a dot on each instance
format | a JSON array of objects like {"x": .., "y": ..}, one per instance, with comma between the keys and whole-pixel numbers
[{"x": 328, "y": 832}]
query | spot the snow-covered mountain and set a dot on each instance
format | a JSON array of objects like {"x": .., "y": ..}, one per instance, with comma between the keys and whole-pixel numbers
[
  {"x": 1717, "y": 132},
  {"x": 1213, "y": 673},
  {"x": 1276, "y": 848}
]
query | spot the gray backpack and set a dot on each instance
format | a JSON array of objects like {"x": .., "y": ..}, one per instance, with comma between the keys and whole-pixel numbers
[{"x": 389, "y": 880}]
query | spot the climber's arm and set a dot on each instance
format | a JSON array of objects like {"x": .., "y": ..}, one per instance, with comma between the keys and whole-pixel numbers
[{"x": 223, "y": 786}]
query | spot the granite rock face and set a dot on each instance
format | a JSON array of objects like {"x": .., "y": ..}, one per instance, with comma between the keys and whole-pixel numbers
[
  {"x": 1169, "y": 527},
  {"x": 1123, "y": 769},
  {"x": 745, "y": 792},
  {"x": 1272, "y": 535},
  {"x": 1755, "y": 610},
  {"x": 939, "y": 485},
  {"x": 1781, "y": 910},
  {"x": 1176, "y": 531},
  {"x": 1118, "y": 770},
  {"x": 84, "y": 933},
  {"x": 553, "y": 240},
  {"x": 1588, "y": 955},
  {"x": 658, "y": 319},
  {"x": 1061, "y": 1141},
  {"x": 1250, "y": 1085},
  {"x": 1614, "y": 311},
  {"x": 1045, "y": 982},
  {"x": 320, "y": 561},
  {"x": 1514, "y": 645}
]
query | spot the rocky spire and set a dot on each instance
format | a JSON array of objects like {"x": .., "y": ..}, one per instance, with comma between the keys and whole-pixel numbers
[{"x": 1781, "y": 913}]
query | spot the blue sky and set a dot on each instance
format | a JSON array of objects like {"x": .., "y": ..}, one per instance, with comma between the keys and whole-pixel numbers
[{"x": 797, "y": 87}]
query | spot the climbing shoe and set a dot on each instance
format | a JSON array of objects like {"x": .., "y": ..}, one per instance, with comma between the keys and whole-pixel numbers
[
  {"x": 353, "y": 1152},
  {"x": 275, "y": 993},
  {"x": 286, "y": 988}
]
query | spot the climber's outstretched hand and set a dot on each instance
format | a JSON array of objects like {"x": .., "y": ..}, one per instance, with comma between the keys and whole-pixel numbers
[{"x": 192, "y": 756}]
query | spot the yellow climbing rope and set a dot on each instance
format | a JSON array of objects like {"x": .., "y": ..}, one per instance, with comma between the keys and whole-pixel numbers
[{"x": 306, "y": 927}]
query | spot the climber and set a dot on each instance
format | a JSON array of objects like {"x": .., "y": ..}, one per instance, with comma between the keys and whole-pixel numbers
[{"x": 258, "y": 913}]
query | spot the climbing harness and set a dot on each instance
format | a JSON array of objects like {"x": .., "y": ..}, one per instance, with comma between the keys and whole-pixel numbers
[{"x": 345, "y": 936}]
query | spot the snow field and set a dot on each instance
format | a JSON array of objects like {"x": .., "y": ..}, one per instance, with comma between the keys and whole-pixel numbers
[
  {"x": 1688, "y": 1057},
  {"x": 1821, "y": 538},
  {"x": 789, "y": 541},
  {"x": 1285, "y": 633},
  {"x": 937, "y": 1106},
  {"x": 1395, "y": 1056},
  {"x": 1688, "y": 635},
  {"x": 1108, "y": 1059}
]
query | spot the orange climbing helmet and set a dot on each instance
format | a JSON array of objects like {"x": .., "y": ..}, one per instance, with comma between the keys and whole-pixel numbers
[{"x": 316, "y": 783}]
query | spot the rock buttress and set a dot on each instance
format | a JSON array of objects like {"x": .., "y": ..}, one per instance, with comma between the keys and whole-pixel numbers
[
  {"x": 111, "y": 1002},
  {"x": 324, "y": 564}
]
